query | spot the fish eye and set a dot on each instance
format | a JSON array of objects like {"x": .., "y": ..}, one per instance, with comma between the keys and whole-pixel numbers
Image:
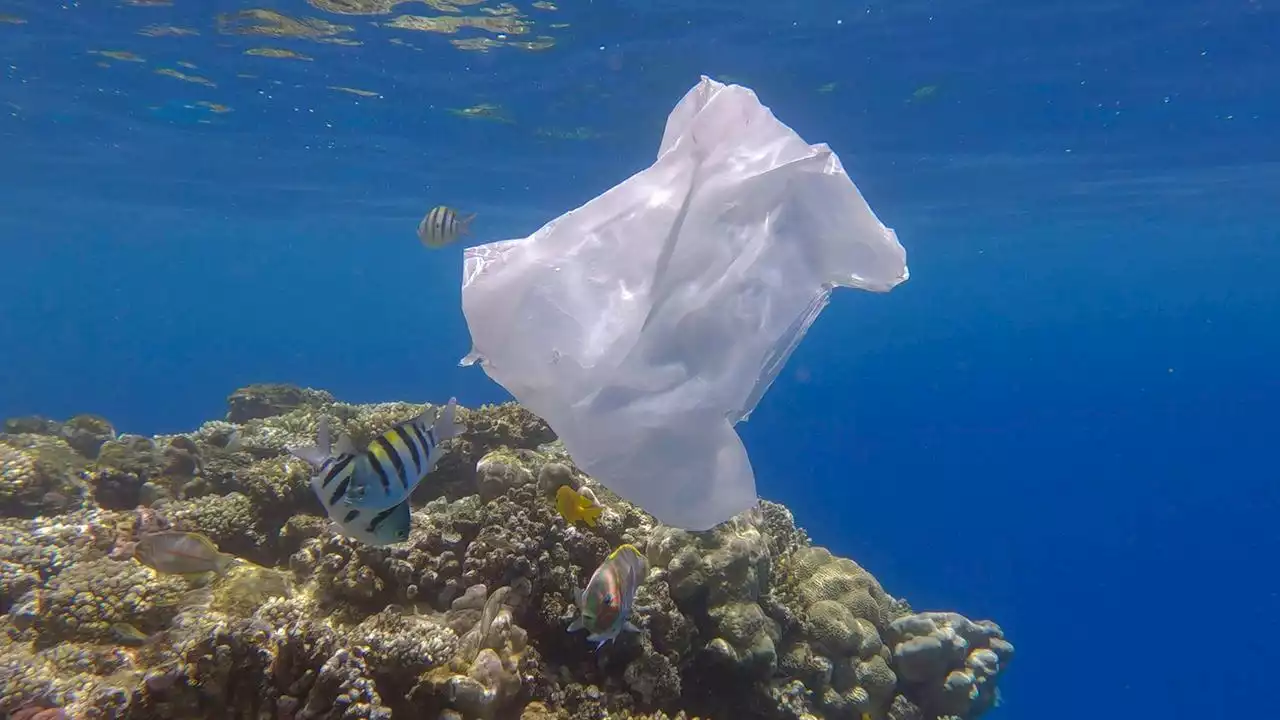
[{"x": 608, "y": 598}]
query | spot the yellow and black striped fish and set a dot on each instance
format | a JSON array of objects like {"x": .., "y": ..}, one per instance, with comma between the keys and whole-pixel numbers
[
  {"x": 442, "y": 226},
  {"x": 384, "y": 474}
]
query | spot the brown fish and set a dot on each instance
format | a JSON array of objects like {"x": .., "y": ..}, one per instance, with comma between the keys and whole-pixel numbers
[{"x": 181, "y": 553}]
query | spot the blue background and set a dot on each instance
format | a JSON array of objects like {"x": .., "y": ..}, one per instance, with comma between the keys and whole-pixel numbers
[{"x": 1064, "y": 421}]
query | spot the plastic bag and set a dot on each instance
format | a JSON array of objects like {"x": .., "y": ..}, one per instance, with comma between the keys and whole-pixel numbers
[{"x": 644, "y": 324}]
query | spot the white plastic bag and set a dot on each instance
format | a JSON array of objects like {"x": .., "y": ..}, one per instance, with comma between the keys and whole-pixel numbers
[{"x": 644, "y": 324}]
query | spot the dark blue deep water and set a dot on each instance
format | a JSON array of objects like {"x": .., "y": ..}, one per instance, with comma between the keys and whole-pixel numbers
[{"x": 1065, "y": 421}]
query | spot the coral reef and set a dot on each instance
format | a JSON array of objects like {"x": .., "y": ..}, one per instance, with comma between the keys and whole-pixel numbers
[{"x": 465, "y": 620}]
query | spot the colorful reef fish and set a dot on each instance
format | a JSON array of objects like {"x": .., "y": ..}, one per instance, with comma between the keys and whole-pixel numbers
[
  {"x": 574, "y": 506},
  {"x": 610, "y": 596},
  {"x": 384, "y": 474},
  {"x": 442, "y": 225}
]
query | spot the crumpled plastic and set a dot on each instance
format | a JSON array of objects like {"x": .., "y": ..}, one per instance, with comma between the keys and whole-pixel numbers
[{"x": 643, "y": 325}]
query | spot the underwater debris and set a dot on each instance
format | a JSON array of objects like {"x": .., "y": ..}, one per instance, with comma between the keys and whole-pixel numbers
[{"x": 465, "y": 619}]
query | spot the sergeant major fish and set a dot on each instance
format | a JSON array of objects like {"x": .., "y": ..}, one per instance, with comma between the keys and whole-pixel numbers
[
  {"x": 380, "y": 528},
  {"x": 381, "y": 476},
  {"x": 610, "y": 596},
  {"x": 442, "y": 225}
]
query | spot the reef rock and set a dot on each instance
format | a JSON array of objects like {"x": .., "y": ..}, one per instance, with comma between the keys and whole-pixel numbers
[{"x": 467, "y": 619}]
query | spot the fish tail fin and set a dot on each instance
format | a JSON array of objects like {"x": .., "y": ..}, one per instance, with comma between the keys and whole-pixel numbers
[
  {"x": 464, "y": 224},
  {"x": 223, "y": 562},
  {"x": 447, "y": 425},
  {"x": 576, "y": 625}
]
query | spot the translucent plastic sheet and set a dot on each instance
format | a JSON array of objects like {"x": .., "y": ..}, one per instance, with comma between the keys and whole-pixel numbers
[{"x": 644, "y": 324}]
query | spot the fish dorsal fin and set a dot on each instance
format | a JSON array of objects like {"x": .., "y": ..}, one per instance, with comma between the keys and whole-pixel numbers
[
  {"x": 344, "y": 446},
  {"x": 324, "y": 436}
]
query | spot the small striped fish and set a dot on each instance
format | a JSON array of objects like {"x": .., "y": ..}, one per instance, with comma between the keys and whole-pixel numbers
[
  {"x": 382, "y": 475},
  {"x": 442, "y": 226}
]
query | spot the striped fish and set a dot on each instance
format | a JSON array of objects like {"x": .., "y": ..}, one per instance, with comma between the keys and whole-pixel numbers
[
  {"x": 380, "y": 528},
  {"x": 610, "y": 596},
  {"x": 383, "y": 474},
  {"x": 442, "y": 226}
]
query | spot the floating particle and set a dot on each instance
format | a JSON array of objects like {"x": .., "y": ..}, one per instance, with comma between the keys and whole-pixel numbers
[
  {"x": 214, "y": 107},
  {"x": 169, "y": 72},
  {"x": 924, "y": 92},
  {"x": 482, "y": 111},
  {"x": 167, "y": 31},
  {"x": 277, "y": 53},
  {"x": 121, "y": 55},
  {"x": 578, "y": 133},
  {"x": 355, "y": 91}
]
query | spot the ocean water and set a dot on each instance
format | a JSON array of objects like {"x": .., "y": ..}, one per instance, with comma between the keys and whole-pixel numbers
[{"x": 1064, "y": 421}]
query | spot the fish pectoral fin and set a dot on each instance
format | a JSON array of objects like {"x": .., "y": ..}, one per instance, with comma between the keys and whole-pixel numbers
[
  {"x": 590, "y": 515},
  {"x": 312, "y": 454},
  {"x": 576, "y": 625},
  {"x": 629, "y": 627}
]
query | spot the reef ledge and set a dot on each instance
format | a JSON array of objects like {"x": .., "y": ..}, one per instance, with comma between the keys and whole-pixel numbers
[{"x": 467, "y": 619}]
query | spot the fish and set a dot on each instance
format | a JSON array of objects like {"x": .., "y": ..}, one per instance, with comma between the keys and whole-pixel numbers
[
  {"x": 442, "y": 225},
  {"x": 574, "y": 506},
  {"x": 38, "y": 712},
  {"x": 383, "y": 474},
  {"x": 384, "y": 527},
  {"x": 181, "y": 553},
  {"x": 606, "y": 603},
  {"x": 127, "y": 634}
]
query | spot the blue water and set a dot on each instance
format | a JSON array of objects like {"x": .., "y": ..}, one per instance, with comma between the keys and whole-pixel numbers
[{"x": 1064, "y": 421}]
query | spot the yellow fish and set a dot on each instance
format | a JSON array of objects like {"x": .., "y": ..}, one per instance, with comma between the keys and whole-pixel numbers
[{"x": 574, "y": 506}]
